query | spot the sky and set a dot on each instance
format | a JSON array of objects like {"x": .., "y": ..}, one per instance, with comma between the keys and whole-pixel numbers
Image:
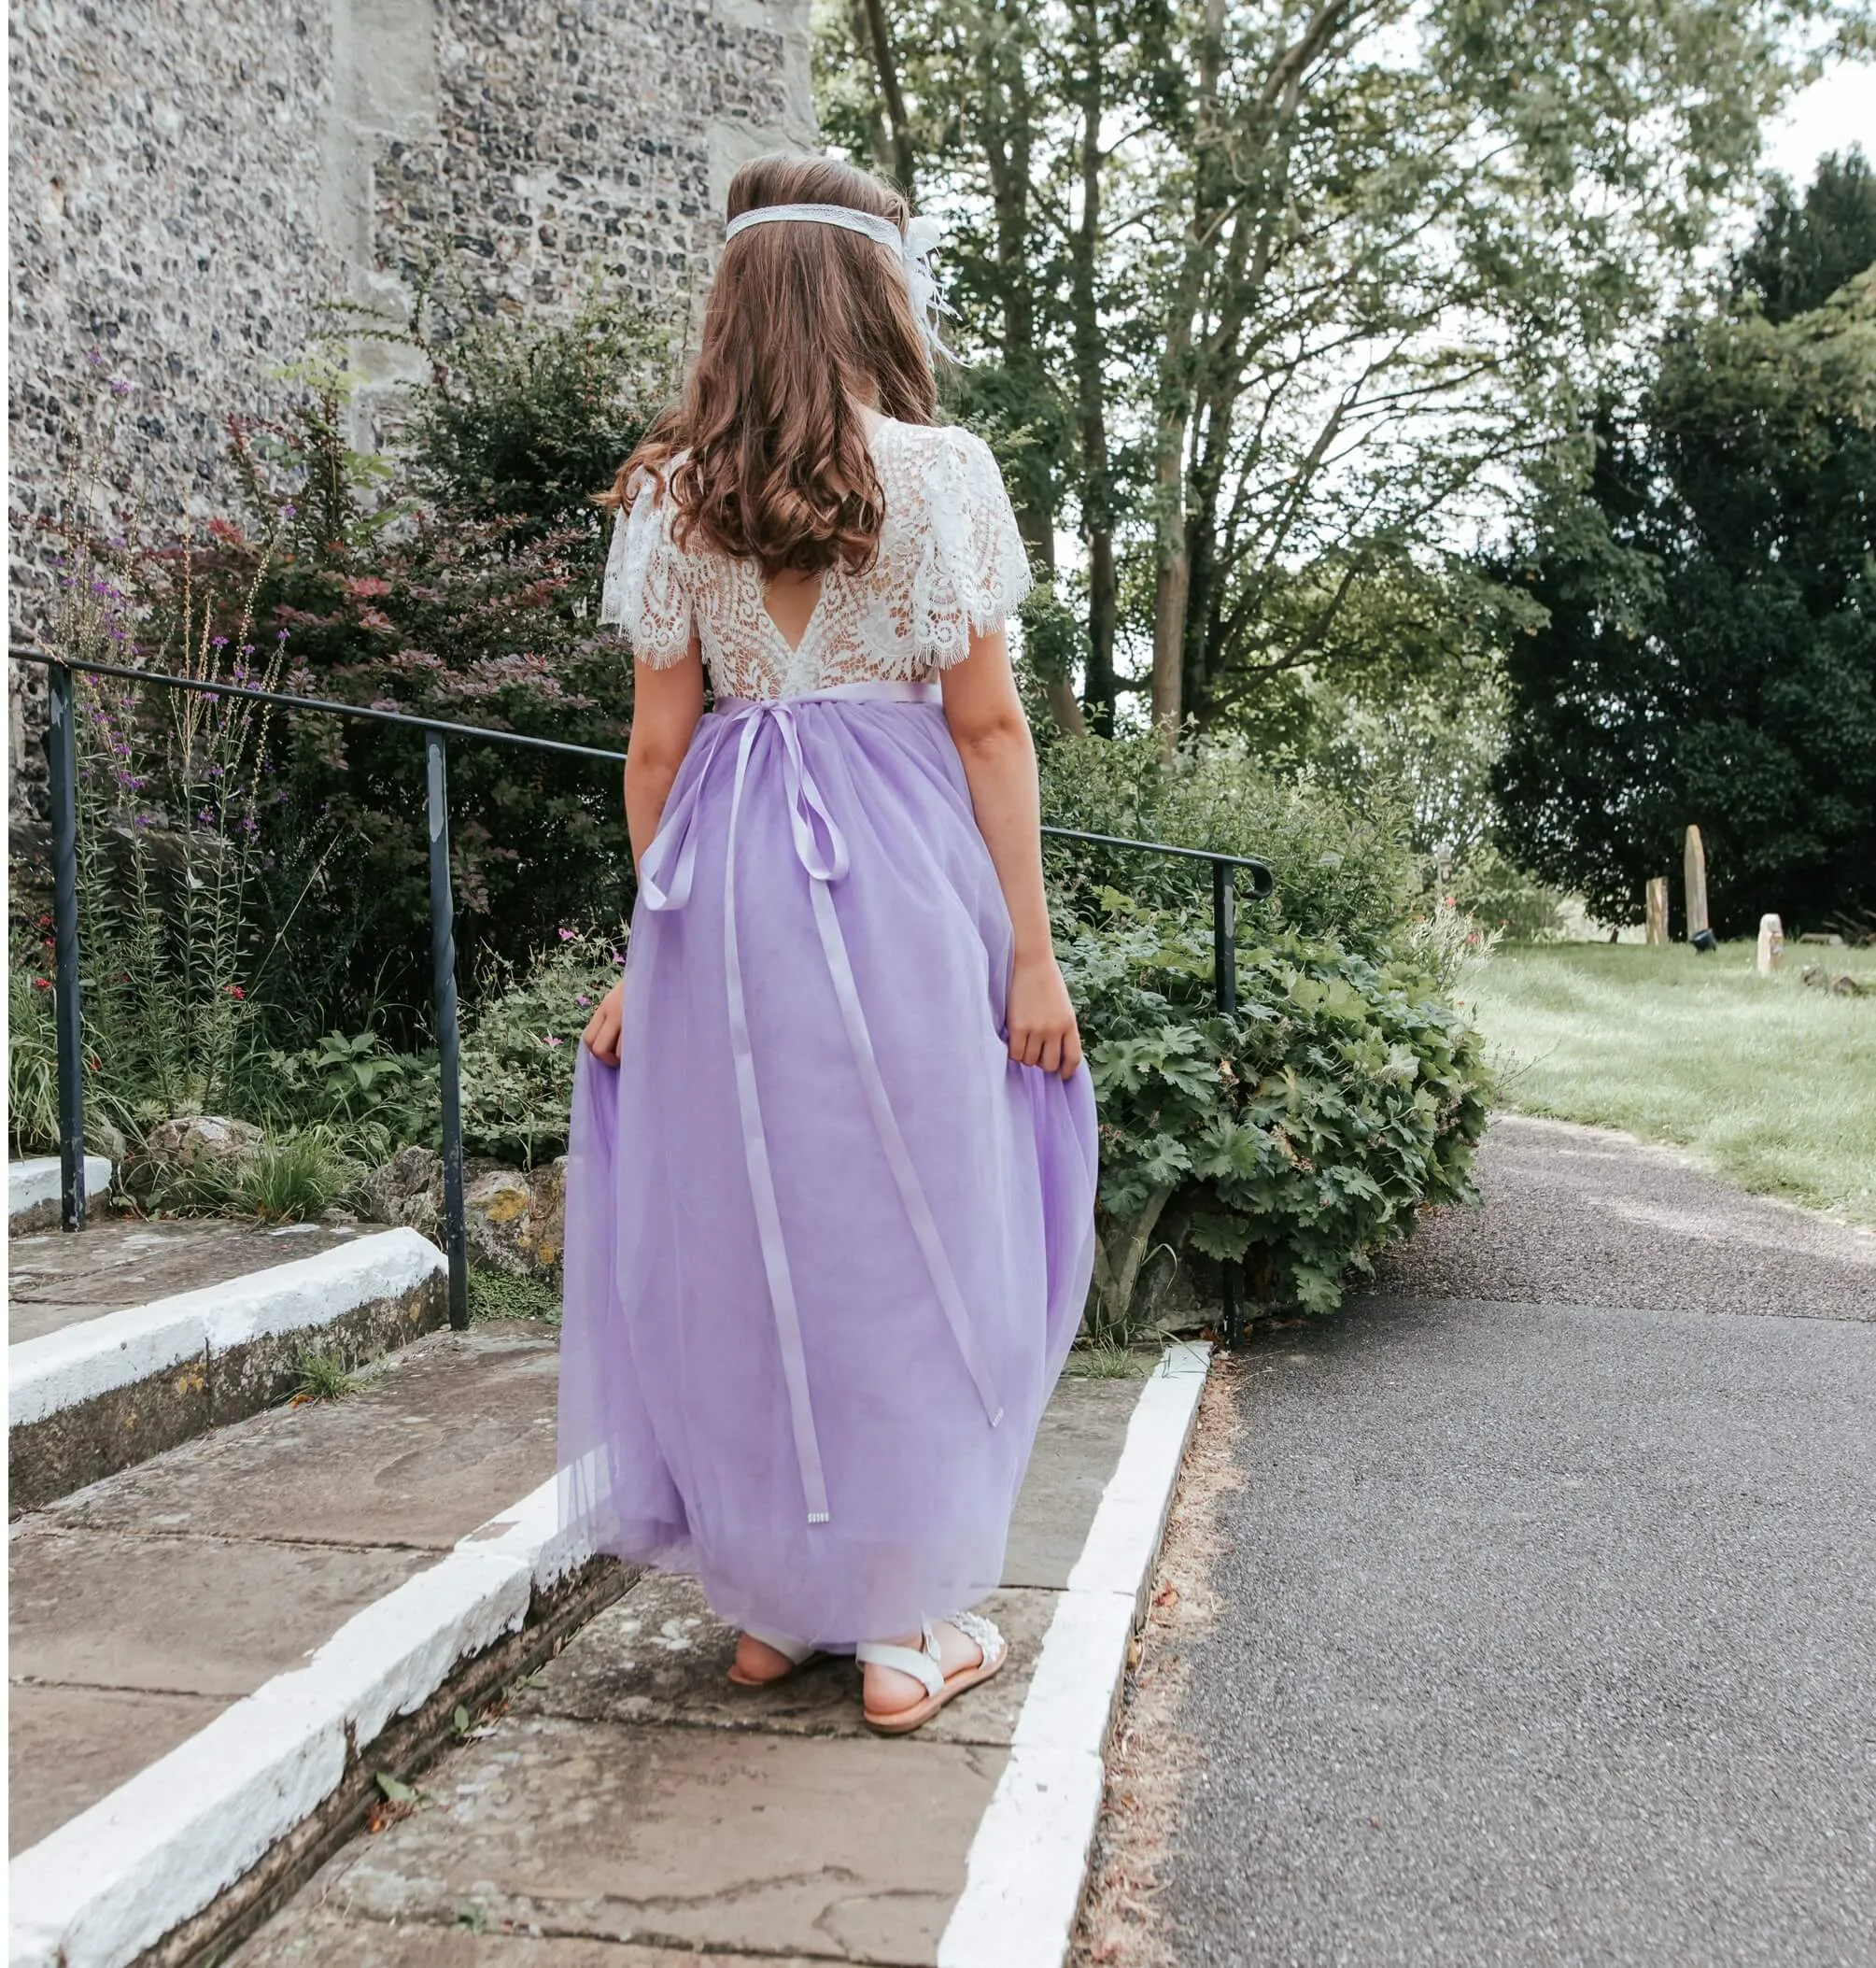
[{"x": 1836, "y": 111}]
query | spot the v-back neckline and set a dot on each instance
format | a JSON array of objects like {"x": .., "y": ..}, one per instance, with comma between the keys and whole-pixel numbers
[{"x": 793, "y": 650}]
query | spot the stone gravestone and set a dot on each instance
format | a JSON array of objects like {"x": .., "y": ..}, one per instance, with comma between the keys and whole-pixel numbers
[
  {"x": 1657, "y": 910},
  {"x": 1699, "y": 931},
  {"x": 1770, "y": 944}
]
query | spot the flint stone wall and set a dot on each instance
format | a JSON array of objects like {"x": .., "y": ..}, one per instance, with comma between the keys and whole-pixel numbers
[{"x": 191, "y": 185}]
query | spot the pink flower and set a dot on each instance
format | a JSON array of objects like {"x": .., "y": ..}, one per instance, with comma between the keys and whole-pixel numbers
[
  {"x": 555, "y": 1038},
  {"x": 566, "y": 936}
]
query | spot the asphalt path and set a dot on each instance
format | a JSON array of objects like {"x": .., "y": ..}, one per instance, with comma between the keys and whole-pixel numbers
[{"x": 1545, "y": 1624}]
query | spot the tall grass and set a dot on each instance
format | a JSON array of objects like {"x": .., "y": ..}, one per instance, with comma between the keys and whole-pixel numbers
[{"x": 1763, "y": 1078}]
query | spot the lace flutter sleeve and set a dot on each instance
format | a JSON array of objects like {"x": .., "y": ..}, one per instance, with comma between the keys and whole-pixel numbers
[
  {"x": 974, "y": 570},
  {"x": 645, "y": 591}
]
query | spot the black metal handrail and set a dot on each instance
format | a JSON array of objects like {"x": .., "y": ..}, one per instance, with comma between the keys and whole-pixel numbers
[{"x": 62, "y": 764}]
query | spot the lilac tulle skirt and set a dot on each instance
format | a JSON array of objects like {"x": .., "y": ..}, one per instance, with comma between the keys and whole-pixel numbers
[{"x": 826, "y": 1247}]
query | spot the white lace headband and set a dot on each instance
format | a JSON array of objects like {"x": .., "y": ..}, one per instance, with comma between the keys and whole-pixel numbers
[{"x": 914, "y": 246}]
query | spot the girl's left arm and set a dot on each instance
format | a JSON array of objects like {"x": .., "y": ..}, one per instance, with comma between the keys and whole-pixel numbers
[
  {"x": 666, "y": 703},
  {"x": 991, "y": 736}
]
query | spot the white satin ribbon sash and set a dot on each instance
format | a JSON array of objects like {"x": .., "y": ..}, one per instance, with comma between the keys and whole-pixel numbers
[{"x": 664, "y": 879}]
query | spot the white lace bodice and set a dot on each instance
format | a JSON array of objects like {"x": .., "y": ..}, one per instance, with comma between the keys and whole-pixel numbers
[{"x": 951, "y": 561}]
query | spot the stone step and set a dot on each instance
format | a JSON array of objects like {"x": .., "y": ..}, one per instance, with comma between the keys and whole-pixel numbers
[
  {"x": 33, "y": 1190},
  {"x": 134, "y": 1335},
  {"x": 146, "y": 1606}
]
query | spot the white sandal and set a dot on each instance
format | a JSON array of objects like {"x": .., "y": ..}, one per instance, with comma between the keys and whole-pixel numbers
[
  {"x": 924, "y": 1666},
  {"x": 797, "y": 1653}
]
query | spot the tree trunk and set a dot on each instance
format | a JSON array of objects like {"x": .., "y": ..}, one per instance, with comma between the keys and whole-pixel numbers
[
  {"x": 1175, "y": 404},
  {"x": 885, "y": 66},
  {"x": 1007, "y": 138},
  {"x": 879, "y": 143},
  {"x": 1097, "y": 516},
  {"x": 1103, "y": 608},
  {"x": 1006, "y": 145},
  {"x": 1187, "y": 611}
]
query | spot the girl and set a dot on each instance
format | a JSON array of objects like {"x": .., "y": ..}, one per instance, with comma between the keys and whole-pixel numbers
[{"x": 830, "y": 1186}]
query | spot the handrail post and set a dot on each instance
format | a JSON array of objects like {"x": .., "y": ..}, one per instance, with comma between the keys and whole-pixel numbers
[
  {"x": 442, "y": 978},
  {"x": 1224, "y": 988},
  {"x": 62, "y": 763}
]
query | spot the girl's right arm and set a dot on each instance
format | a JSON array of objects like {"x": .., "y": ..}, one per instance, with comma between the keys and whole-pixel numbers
[
  {"x": 666, "y": 706},
  {"x": 666, "y": 703}
]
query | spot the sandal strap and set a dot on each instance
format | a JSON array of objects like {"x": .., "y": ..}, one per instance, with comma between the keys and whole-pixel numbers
[
  {"x": 922, "y": 1665},
  {"x": 974, "y": 1627}
]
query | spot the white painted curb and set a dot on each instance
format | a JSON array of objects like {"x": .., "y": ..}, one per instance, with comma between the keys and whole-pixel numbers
[
  {"x": 59, "y": 1369},
  {"x": 118, "y": 1878},
  {"x": 1024, "y": 1877},
  {"x": 35, "y": 1181}
]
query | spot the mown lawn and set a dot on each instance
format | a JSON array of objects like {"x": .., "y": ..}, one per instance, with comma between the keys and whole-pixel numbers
[{"x": 1761, "y": 1079}]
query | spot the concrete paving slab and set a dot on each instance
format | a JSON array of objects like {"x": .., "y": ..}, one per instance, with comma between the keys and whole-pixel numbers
[
  {"x": 68, "y": 1746},
  {"x": 318, "y": 1940},
  {"x": 451, "y": 1430},
  {"x": 657, "y": 1656},
  {"x": 1587, "y": 1216},
  {"x": 181, "y": 1614},
  {"x": 56, "y": 1277},
  {"x": 712, "y": 1840},
  {"x": 1076, "y": 1449}
]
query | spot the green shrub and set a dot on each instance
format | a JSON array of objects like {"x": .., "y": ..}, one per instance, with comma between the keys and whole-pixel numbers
[
  {"x": 32, "y": 1059},
  {"x": 290, "y": 1178},
  {"x": 297, "y": 1177},
  {"x": 1491, "y": 887},
  {"x": 1300, "y": 1136},
  {"x": 373, "y": 1099},
  {"x": 1338, "y": 874},
  {"x": 518, "y": 1045}
]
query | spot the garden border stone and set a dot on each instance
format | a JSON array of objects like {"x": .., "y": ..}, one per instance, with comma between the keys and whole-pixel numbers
[
  {"x": 33, "y": 1190},
  {"x": 1028, "y": 1862},
  {"x": 96, "y": 1396}
]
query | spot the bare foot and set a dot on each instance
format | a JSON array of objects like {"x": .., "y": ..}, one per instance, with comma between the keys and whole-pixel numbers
[
  {"x": 757, "y": 1662},
  {"x": 888, "y": 1690}
]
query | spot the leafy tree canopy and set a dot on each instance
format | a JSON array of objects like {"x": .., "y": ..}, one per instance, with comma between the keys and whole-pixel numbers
[
  {"x": 1280, "y": 297},
  {"x": 1709, "y": 649}
]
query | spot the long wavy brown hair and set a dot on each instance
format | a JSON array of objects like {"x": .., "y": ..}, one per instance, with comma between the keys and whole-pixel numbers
[{"x": 764, "y": 453}]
